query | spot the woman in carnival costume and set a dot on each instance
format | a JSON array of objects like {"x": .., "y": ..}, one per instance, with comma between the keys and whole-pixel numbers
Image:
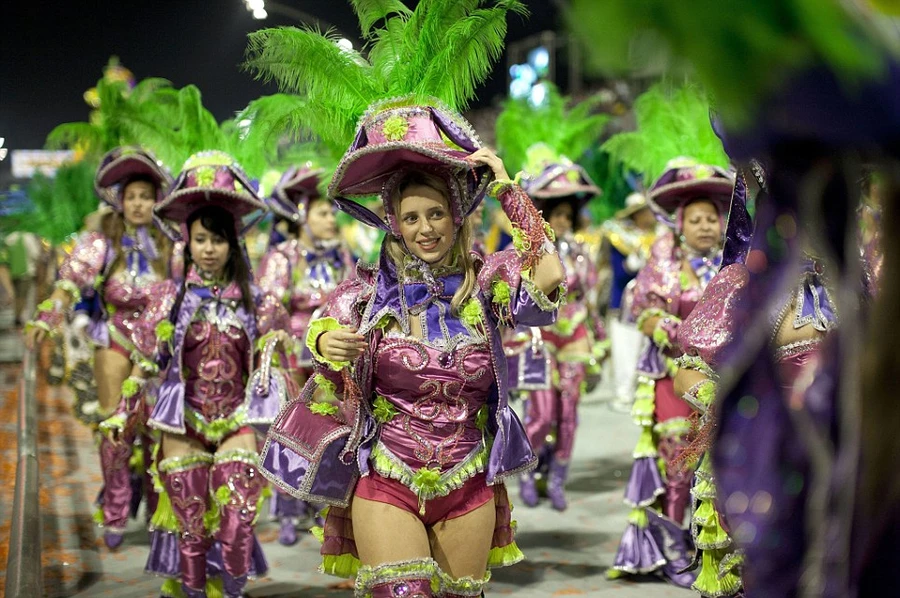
[
  {"x": 212, "y": 329},
  {"x": 574, "y": 343},
  {"x": 694, "y": 199},
  {"x": 413, "y": 458},
  {"x": 118, "y": 265},
  {"x": 302, "y": 271}
]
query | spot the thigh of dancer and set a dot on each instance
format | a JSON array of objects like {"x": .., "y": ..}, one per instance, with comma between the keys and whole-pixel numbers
[{"x": 111, "y": 369}]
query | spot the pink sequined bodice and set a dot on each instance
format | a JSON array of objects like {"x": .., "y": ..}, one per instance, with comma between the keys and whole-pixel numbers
[
  {"x": 435, "y": 400},
  {"x": 216, "y": 364},
  {"x": 126, "y": 300}
]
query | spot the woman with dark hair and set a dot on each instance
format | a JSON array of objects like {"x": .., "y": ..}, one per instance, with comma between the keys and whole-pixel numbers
[
  {"x": 575, "y": 341},
  {"x": 212, "y": 330},
  {"x": 693, "y": 199},
  {"x": 115, "y": 266},
  {"x": 302, "y": 271}
]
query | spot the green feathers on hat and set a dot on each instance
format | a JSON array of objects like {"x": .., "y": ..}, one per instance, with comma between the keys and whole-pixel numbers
[
  {"x": 739, "y": 50},
  {"x": 671, "y": 122},
  {"x": 529, "y": 137},
  {"x": 443, "y": 50}
]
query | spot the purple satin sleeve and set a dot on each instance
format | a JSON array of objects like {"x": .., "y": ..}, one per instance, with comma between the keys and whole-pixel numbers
[
  {"x": 85, "y": 263},
  {"x": 274, "y": 275},
  {"x": 710, "y": 327}
]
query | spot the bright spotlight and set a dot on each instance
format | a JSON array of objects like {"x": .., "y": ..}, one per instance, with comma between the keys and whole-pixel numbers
[
  {"x": 345, "y": 44},
  {"x": 260, "y": 13}
]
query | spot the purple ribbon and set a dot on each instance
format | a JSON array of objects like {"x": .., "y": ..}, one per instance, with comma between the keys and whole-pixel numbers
[
  {"x": 434, "y": 298},
  {"x": 323, "y": 262},
  {"x": 706, "y": 268},
  {"x": 139, "y": 250},
  {"x": 817, "y": 308}
]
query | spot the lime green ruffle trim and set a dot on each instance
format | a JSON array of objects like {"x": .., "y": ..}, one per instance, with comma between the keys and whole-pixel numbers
[
  {"x": 661, "y": 337},
  {"x": 113, "y": 422},
  {"x": 165, "y": 331},
  {"x": 500, "y": 292},
  {"x": 677, "y": 427},
  {"x": 428, "y": 483},
  {"x": 71, "y": 288},
  {"x": 504, "y": 556},
  {"x": 316, "y": 328},
  {"x": 644, "y": 401},
  {"x": 344, "y": 565},
  {"x": 653, "y": 312},
  {"x": 646, "y": 444},
  {"x": 638, "y": 517},
  {"x": 709, "y": 582},
  {"x": 323, "y": 408},
  {"x": 328, "y": 388},
  {"x": 694, "y": 362},
  {"x": 217, "y": 429},
  {"x": 164, "y": 517},
  {"x": 97, "y": 515}
]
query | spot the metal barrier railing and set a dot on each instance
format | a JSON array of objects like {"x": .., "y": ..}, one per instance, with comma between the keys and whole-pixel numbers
[{"x": 23, "y": 565}]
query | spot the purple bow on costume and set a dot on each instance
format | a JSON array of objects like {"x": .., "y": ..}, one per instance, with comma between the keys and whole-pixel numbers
[
  {"x": 321, "y": 262},
  {"x": 139, "y": 250},
  {"x": 705, "y": 268},
  {"x": 814, "y": 305},
  {"x": 433, "y": 297}
]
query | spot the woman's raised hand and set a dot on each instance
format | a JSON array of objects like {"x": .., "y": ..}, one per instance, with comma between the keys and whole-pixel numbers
[
  {"x": 34, "y": 337},
  {"x": 341, "y": 345},
  {"x": 490, "y": 159}
]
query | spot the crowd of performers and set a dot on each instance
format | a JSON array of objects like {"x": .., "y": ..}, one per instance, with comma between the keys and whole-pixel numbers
[
  {"x": 374, "y": 399},
  {"x": 195, "y": 357}
]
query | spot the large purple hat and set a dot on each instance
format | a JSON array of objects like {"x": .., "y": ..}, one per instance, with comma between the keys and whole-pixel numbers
[
  {"x": 211, "y": 178},
  {"x": 123, "y": 163},
  {"x": 685, "y": 180},
  {"x": 397, "y": 136},
  {"x": 296, "y": 188}
]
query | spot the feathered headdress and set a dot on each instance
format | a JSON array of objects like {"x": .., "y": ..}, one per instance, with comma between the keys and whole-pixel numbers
[
  {"x": 396, "y": 106},
  {"x": 543, "y": 141},
  {"x": 671, "y": 122}
]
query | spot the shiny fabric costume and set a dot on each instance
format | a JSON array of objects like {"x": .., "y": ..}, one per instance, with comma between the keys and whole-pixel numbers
[
  {"x": 555, "y": 408},
  {"x": 205, "y": 521},
  {"x": 438, "y": 437},
  {"x": 704, "y": 336},
  {"x": 302, "y": 278},
  {"x": 654, "y": 539},
  {"x": 120, "y": 298}
]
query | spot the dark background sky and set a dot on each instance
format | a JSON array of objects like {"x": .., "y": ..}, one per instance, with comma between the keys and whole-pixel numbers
[{"x": 52, "y": 51}]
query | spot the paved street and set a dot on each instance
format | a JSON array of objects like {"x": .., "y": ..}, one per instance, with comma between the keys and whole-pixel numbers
[{"x": 568, "y": 553}]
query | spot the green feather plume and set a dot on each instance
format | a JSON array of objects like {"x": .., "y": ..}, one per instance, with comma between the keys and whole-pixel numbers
[
  {"x": 671, "y": 122},
  {"x": 740, "y": 50},
  {"x": 60, "y": 204},
  {"x": 568, "y": 132},
  {"x": 443, "y": 49}
]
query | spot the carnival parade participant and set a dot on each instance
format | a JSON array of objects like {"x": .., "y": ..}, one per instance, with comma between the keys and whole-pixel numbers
[
  {"x": 694, "y": 199},
  {"x": 421, "y": 333},
  {"x": 211, "y": 329},
  {"x": 560, "y": 190},
  {"x": 302, "y": 272},
  {"x": 117, "y": 266}
]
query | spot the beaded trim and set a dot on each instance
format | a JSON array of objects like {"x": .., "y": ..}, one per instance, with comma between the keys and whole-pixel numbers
[
  {"x": 192, "y": 461},
  {"x": 796, "y": 348}
]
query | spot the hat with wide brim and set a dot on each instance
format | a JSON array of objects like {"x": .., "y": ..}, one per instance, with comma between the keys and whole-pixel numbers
[
  {"x": 401, "y": 135},
  {"x": 212, "y": 178},
  {"x": 634, "y": 203},
  {"x": 683, "y": 183},
  {"x": 296, "y": 188},
  {"x": 124, "y": 163},
  {"x": 560, "y": 180}
]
